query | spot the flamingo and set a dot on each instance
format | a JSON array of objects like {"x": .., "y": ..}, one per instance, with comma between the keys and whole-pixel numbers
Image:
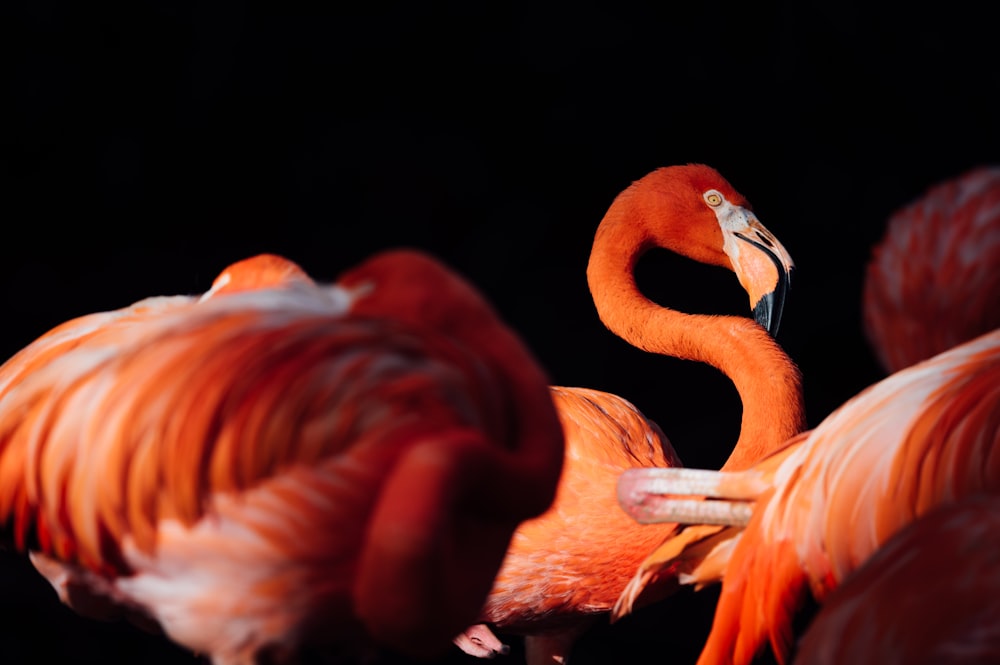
[
  {"x": 566, "y": 568},
  {"x": 929, "y": 596},
  {"x": 280, "y": 467},
  {"x": 802, "y": 519},
  {"x": 933, "y": 280}
]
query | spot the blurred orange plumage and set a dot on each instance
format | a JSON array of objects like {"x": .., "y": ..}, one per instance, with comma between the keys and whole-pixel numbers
[
  {"x": 280, "y": 466},
  {"x": 923, "y": 437},
  {"x": 566, "y": 568},
  {"x": 933, "y": 280},
  {"x": 930, "y": 595}
]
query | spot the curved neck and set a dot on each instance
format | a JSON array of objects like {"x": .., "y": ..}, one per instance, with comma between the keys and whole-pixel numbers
[{"x": 768, "y": 382}]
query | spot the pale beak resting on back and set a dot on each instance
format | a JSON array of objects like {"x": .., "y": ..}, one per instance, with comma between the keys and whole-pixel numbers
[
  {"x": 761, "y": 263},
  {"x": 656, "y": 495}
]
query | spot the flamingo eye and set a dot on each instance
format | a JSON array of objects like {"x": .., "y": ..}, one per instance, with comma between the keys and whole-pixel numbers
[{"x": 713, "y": 198}]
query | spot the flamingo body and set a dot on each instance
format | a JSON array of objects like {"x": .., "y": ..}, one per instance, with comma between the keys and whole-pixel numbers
[
  {"x": 280, "y": 465},
  {"x": 566, "y": 567},
  {"x": 534, "y": 576}
]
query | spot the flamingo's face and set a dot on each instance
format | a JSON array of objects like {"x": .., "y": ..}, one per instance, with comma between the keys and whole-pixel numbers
[
  {"x": 760, "y": 262},
  {"x": 692, "y": 210}
]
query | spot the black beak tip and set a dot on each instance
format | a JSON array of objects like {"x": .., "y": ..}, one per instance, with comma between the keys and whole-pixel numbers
[
  {"x": 767, "y": 311},
  {"x": 764, "y": 314}
]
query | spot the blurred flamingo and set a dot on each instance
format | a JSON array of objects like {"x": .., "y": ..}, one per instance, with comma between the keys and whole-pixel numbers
[
  {"x": 280, "y": 467},
  {"x": 929, "y": 596},
  {"x": 566, "y": 568},
  {"x": 933, "y": 280},
  {"x": 804, "y": 518}
]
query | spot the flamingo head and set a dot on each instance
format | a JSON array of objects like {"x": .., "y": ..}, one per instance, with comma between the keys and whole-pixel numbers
[
  {"x": 692, "y": 210},
  {"x": 257, "y": 272}
]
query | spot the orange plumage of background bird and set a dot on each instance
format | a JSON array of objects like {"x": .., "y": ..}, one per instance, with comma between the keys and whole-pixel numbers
[
  {"x": 280, "y": 466},
  {"x": 566, "y": 568},
  {"x": 929, "y": 596},
  {"x": 923, "y": 437},
  {"x": 933, "y": 279}
]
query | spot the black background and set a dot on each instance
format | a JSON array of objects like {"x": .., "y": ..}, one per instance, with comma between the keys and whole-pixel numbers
[{"x": 147, "y": 145}]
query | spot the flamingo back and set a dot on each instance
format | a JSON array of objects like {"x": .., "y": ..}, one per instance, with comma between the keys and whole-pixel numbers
[{"x": 568, "y": 562}]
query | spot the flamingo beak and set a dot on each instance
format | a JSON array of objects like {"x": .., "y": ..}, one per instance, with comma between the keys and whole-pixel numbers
[
  {"x": 675, "y": 495},
  {"x": 763, "y": 267}
]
